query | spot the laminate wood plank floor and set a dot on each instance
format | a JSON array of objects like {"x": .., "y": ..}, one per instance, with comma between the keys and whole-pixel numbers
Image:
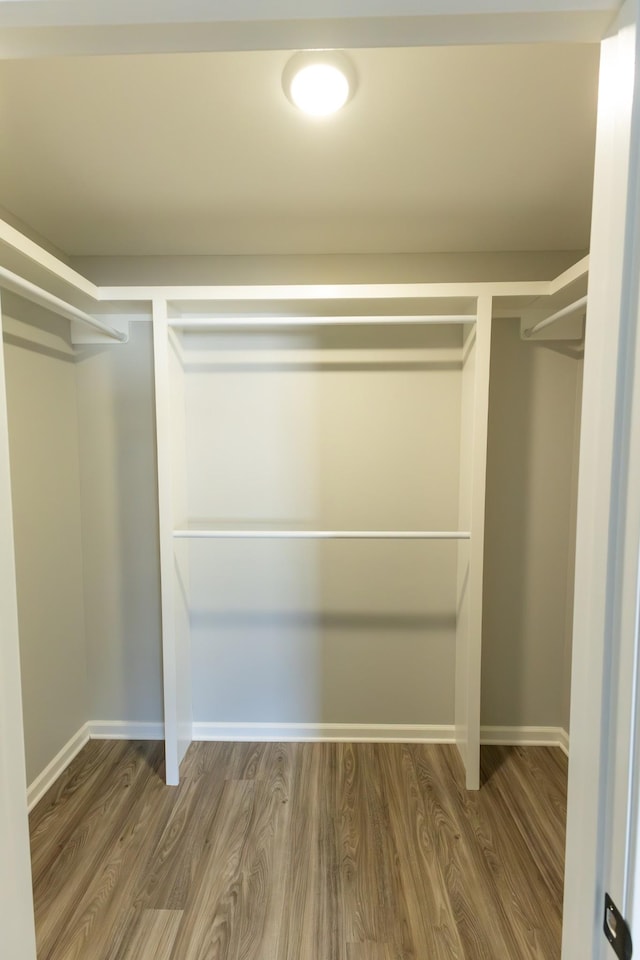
[{"x": 320, "y": 851}]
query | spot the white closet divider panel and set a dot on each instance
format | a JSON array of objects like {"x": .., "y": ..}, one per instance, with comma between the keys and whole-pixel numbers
[
  {"x": 169, "y": 380},
  {"x": 464, "y": 549},
  {"x": 473, "y": 471},
  {"x": 17, "y": 933},
  {"x": 180, "y": 551},
  {"x": 176, "y": 531}
]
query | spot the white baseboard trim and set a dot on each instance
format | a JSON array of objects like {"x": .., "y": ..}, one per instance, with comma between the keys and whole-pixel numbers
[
  {"x": 336, "y": 732},
  {"x": 526, "y": 736},
  {"x": 290, "y": 732},
  {"x": 45, "y": 780},
  {"x": 326, "y": 732},
  {"x": 564, "y": 741},
  {"x": 125, "y": 730}
]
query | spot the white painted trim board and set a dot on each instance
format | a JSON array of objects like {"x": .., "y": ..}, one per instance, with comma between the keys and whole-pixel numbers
[
  {"x": 326, "y": 732},
  {"x": 525, "y": 737},
  {"x": 125, "y": 730},
  {"x": 57, "y": 766},
  {"x": 288, "y": 733}
]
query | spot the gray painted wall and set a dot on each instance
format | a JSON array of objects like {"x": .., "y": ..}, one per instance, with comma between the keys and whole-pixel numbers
[
  {"x": 534, "y": 411},
  {"x": 120, "y": 528},
  {"x": 341, "y": 430},
  {"x": 43, "y": 433}
]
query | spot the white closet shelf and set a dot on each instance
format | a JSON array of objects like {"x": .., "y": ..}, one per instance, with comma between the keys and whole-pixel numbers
[
  {"x": 41, "y": 297},
  {"x": 231, "y": 323},
  {"x": 567, "y": 311},
  {"x": 204, "y": 534}
]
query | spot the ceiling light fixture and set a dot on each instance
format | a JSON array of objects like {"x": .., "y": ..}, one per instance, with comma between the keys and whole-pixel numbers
[{"x": 319, "y": 82}]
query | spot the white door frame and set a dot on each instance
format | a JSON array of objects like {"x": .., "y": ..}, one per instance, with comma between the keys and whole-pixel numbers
[
  {"x": 602, "y": 689},
  {"x": 34, "y": 30}
]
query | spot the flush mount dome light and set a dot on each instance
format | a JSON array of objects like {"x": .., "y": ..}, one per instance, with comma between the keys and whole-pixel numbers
[{"x": 319, "y": 82}]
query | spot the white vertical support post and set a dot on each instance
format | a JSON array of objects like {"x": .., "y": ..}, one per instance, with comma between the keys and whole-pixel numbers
[
  {"x": 17, "y": 930},
  {"x": 181, "y": 551},
  {"x": 175, "y": 661},
  {"x": 473, "y": 473}
]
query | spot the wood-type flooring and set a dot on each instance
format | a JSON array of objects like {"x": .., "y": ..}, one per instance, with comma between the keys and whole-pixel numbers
[{"x": 327, "y": 851}]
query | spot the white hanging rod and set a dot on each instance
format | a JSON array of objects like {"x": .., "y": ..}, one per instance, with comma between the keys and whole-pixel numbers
[
  {"x": 24, "y": 288},
  {"x": 565, "y": 312},
  {"x": 322, "y": 534},
  {"x": 230, "y": 323}
]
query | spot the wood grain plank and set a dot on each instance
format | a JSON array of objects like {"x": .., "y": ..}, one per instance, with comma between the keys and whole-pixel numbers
[
  {"x": 372, "y": 950},
  {"x": 524, "y": 777},
  {"x": 299, "y": 852},
  {"x": 60, "y": 889},
  {"x": 52, "y": 821},
  {"x": 167, "y": 880},
  {"x": 153, "y": 935},
  {"x": 204, "y": 758},
  {"x": 261, "y": 867},
  {"x": 365, "y": 853},
  {"x": 310, "y": 926},
  {"x": 429, "y": 912},
  {"x": 246, "y": 760},
  {"x": 101, "y": 923},
  {"x": 466, "y": 873},
  {"x": 329, "y": 933},
  {"x": 296, "y": 937},
  {"x": 275, "y": 776},
  {"x": 92, "y": 761},
  {"x": 533, "y": 921},
  {"x": 211, "y": 911}
]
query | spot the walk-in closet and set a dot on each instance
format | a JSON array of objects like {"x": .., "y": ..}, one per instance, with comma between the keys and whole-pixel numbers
[{"x": 297, "y": 488}]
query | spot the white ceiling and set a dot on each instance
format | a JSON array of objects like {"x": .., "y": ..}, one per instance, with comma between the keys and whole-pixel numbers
[{"x": 441, "y": 149}]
